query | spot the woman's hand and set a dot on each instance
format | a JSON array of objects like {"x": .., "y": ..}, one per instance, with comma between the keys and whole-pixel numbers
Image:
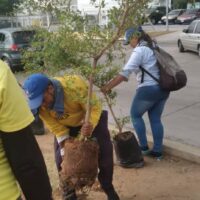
[{"x": 114, "y": 82}]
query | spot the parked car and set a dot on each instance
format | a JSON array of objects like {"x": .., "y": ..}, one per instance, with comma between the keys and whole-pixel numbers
[
  {"x": 172, "y": 16},
  {"x": 188, "y": 16},
  {"x": 189, "y": 39},
  {"x": 155, "y": 13},
  {"x": 12, "y": 42}
]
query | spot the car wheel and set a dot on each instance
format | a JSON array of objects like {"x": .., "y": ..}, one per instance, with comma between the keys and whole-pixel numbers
[
  {"x": 199, "y": 50},
  {"x": 6, "y": 60},
  {"x": 153, "y": 21},
  {"x": 180, "y": 46}
]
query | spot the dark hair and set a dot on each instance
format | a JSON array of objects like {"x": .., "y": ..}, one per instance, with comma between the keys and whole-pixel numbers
[{"x": 144, "y": 36}]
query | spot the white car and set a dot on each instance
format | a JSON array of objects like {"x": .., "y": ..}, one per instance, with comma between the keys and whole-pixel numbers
[{"x": 189, "y": 39}]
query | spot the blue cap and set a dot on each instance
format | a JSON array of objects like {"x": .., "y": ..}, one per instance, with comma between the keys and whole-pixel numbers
[
  {"x": 130, "y": 32},
  {"x": 34, "y": 87}
]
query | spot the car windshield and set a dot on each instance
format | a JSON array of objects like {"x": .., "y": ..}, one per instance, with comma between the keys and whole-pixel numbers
[
  {"x": 21, "y": 37},
  {"x": 174, "y": 12},
  {"x": 191, "y": 11}
]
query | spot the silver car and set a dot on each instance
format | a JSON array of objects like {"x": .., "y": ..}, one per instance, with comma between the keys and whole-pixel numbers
[
  {"x": 172, "y": 16},
  {"x": 12, "y": 43},
  {"x": 189, "y": 39}
]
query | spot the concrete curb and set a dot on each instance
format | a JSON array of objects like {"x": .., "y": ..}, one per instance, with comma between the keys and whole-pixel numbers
[{"x": 184, "y": 151}]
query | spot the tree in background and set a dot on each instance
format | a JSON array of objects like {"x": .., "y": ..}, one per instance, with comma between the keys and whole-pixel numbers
[
  {"x": 42, "y": 7},
  {"x": 7, "y": 6},
  {"x": 179, "y": 4},
  {"x": 193, "y": 3}
]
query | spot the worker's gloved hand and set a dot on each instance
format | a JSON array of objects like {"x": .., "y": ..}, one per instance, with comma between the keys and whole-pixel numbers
[{"x": 86, "y": 129}]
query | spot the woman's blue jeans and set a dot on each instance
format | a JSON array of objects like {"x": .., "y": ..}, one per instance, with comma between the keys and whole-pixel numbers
[{"x": 149, "y": 99}]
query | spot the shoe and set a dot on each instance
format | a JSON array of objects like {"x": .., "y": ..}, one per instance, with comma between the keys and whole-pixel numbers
[
  {"x": 145, "y": 150},
  {"x": 157, "y": 155},
  {"x": 112, "y": 194},
  {"x": 132, "y": 165}
]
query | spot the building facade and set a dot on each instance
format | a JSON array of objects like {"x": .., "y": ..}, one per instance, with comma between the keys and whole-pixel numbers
[{"x": 160, "y": 3}]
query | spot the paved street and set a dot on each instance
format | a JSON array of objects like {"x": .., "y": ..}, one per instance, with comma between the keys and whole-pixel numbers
[{"x": 182, "y": 115}]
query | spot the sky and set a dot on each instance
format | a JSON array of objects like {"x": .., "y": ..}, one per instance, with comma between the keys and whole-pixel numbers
[{"x": 85, "y": 4}]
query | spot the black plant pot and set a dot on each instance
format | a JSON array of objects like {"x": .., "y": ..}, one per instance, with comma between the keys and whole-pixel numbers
[{"x": 127, "y": 150}]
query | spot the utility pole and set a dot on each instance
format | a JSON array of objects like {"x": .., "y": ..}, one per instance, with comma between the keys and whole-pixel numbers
[{"x": 167, "y": 11}]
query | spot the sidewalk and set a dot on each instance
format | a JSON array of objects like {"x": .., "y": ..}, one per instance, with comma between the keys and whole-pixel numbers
[{"x": 169, "y": 179}]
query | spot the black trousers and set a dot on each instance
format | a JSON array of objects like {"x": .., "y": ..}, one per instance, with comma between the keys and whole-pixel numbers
[
  {"x": 27, "y": 163},
  {"x": 102, "y": 135}
]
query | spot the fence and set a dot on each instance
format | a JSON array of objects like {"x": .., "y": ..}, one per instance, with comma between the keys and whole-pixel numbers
[{"x": 26, "y": 21}]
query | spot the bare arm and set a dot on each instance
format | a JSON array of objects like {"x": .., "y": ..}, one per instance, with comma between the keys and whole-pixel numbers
[{"x": 114, "y": 82}]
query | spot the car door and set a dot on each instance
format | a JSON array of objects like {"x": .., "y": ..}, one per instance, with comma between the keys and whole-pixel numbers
[
  {"x": 187, "y": 38},
  {"x": 196, "y": 37}
]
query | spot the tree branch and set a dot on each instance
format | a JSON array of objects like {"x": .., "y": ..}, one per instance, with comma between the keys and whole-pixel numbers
[{"x": 117, "y": 35}]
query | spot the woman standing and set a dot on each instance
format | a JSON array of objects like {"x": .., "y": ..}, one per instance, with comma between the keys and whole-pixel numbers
[{"x": 149, "y": 96}]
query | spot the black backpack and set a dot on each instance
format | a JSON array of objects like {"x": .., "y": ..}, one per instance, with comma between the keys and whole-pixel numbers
[{"x": 172, "y": 77}]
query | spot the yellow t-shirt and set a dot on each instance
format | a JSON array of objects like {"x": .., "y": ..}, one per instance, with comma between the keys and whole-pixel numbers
[
  {"x": 14, "y": 110},
  {"x": 14, "y": 115}
]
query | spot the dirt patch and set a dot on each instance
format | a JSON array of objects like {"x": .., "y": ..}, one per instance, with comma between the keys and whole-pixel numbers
[
  {"x": 158, "y": 33},
  {"x": 169, "y": 179}
]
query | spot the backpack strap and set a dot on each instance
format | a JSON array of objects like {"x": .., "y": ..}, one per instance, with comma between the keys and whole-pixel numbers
[
  {"x": 144, "y": 70},
  {"x": 142, "y": 77}
]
